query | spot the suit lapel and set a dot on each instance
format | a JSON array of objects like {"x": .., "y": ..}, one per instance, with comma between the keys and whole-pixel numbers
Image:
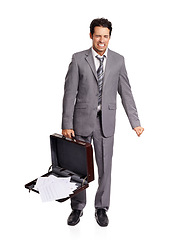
[
  {"x": 90, "y": 60},
  {"x": 108, "y": 67}
]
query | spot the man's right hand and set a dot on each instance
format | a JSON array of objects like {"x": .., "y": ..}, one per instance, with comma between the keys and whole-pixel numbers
[{"x": 68, "y": 133}]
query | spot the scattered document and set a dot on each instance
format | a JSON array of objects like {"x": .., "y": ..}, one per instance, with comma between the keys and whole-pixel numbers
[{"x": 54, "y": 188}]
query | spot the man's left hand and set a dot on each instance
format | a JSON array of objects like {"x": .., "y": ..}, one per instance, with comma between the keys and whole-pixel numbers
[{"x": 139, "y": 130}]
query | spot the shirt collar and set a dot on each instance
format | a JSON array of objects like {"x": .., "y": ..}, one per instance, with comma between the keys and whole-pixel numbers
[{"x": 96, "y": 54}]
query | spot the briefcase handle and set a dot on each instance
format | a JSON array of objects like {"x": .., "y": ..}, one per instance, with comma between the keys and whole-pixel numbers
[{"x": 71, "y": 139}]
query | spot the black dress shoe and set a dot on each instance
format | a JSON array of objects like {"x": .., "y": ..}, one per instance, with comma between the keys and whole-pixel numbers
[
  {"x": 101, "y": 217},
  {"x": 74, "y": 217}
]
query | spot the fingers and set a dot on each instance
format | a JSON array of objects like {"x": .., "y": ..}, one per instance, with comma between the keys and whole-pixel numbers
[
  {"x": 72, "y": 133},
  {"x": 139, "y": 131},
  {"x": 68, "y": 133}
]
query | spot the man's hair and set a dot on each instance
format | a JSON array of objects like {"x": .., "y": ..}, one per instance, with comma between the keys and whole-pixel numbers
[{"x": 100, "y": 22}]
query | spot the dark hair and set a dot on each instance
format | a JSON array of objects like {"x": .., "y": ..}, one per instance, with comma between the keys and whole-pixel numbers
[{"x": 100, "y": 22}]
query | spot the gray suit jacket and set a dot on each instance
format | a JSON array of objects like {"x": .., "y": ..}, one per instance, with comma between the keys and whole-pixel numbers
[{"x": 81, "y": 94}]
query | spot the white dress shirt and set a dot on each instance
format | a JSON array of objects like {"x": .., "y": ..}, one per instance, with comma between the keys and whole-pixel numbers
[{"x": 97, "y": 62}]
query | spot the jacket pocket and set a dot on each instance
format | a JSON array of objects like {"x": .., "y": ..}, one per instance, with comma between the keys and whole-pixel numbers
[
  {"x": 112, "y": 106},
  {"x": 81, "y": 105}
]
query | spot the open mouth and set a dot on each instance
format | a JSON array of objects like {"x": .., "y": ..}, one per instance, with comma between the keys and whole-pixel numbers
[{"x": 101, "y": 45}]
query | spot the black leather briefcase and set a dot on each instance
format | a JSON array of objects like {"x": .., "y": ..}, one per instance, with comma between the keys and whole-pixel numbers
[{"x": 70, "y": 158}]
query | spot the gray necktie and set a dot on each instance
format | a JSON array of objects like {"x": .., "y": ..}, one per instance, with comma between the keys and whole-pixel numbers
[{"x": 100, "y": 75}]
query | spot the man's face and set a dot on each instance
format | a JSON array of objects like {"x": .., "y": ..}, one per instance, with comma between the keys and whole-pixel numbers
[{"x": 100, "y": 39}]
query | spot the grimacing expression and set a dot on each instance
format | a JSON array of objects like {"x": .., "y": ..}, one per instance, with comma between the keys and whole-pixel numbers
[{"x": 100, "y": 37}]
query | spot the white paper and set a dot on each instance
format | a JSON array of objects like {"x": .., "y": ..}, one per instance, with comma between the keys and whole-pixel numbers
[{"x": 54, "y": 188}]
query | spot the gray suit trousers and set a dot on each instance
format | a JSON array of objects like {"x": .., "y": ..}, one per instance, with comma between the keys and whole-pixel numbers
[{"x": 103, "y": 147}]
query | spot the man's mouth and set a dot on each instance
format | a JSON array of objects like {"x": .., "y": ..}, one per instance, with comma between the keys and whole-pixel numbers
[{"x": 101, "y": 45}]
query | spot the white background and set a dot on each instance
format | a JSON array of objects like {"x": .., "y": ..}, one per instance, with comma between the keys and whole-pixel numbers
[{"x": 37, "y": 40}]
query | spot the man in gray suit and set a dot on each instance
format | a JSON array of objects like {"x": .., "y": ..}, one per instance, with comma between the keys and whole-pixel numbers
[{"x": 89, "y": 110}]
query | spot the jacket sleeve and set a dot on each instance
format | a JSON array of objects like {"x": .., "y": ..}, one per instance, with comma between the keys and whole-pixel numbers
[
  {"x": 70, "y": 92},
  {"x": 124, "y": 89}
]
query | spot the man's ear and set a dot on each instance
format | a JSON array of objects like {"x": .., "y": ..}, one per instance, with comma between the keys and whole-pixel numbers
[{"x": 91, "y": 36}]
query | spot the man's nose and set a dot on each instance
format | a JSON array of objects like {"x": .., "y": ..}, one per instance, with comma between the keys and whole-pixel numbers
[{"x": 101, "y": 39}]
